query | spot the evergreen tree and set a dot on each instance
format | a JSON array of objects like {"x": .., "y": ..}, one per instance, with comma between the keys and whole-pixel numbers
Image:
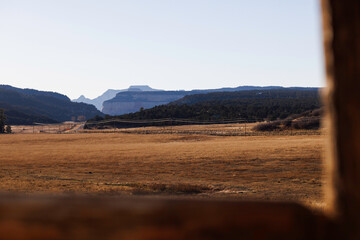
[
  {"x": 8, "y": 129},
  {"x": 2, "y": 121}
]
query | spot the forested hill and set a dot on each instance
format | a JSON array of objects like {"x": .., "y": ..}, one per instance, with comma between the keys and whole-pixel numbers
[
  {"x": 132, "y": 100},
  {"x": 300, "y": 93},
  {"x": 257, "y": 105},
  {"x": 34, "y": 92},
  {"x": 27, "y": 106}
]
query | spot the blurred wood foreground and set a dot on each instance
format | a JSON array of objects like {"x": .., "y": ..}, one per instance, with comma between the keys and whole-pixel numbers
[{"x": 144, "y": 218}]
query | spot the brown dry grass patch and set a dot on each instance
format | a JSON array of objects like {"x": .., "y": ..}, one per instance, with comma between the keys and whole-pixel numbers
[{"x": 236, "y": 167}]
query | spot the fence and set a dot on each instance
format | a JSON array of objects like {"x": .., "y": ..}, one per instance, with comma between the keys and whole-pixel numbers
[
  {"x": 233, "y": 127},
  {"x": 66, "y": 127},
  {"x": 237, "y": 127}
]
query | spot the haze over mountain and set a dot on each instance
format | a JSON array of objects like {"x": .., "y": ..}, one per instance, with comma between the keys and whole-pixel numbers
[
  {"x": 111, "y": 93},
  {"x": 133, "y": 101},
  {"x": 28, "y": 106}
]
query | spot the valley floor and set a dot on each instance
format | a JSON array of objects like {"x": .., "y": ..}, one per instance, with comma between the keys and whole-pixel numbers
[{"x": 175, "y": 165}]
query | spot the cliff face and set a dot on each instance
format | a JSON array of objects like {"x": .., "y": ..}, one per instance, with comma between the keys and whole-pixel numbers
[
  {"x": 111, "y": 93},
  {"x": 127, "y": 102}
]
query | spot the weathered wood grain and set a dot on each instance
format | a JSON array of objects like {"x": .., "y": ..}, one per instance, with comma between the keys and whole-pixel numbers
[{"x": 144, "y": 218}]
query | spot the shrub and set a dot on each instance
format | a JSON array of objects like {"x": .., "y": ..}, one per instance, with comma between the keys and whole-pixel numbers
[
  {"x": 317, "y": 112},
  {"x": 287, "y": 123},
  {"x": 306, "y": 123},
  {"x": 294, "y": 116},
  {"x": 270, "y": 126}
]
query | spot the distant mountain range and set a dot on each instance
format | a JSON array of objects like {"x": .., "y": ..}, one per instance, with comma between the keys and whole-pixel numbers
[
  {"x": 28, "y": 106},
  {"x": 111, "y": 93}
]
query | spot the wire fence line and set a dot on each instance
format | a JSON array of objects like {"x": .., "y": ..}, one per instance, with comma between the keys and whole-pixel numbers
[
  {"x": 175, "y": 120},
  {"x": 46, "y": 128},
  {"x": 168, "y": 125},
  {"x": 126, "y": 123},
  {"x": 235, "y": 127}
]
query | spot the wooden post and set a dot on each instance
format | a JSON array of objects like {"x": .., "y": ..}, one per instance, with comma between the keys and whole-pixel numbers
[
  {"x": 341, "y": 22},
  {"x": 245, "y": 127}
]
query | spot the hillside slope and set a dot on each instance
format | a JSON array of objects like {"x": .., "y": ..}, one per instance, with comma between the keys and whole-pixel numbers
[
  {"x": 251, "y": 105},
  {"x": 310, "y": 119},
  {"x": 290, "y": 93},
  {"x": 26, "y": 106}
]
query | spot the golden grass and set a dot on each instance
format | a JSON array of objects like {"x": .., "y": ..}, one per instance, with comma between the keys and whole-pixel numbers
[{"x": 235, "y": 167}]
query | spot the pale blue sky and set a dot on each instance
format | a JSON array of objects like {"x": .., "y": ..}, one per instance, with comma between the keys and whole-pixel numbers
[{"x": 85, "y": 46}]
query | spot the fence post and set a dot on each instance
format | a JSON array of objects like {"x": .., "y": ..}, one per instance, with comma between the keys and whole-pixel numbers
[{"x": 245, "y": 127}]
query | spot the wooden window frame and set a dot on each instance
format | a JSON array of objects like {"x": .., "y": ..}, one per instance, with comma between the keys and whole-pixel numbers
[{"x": 102, "y": 218}]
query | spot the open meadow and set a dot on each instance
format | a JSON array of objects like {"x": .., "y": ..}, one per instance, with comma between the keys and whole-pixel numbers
[{"x": 273, "y": 167}]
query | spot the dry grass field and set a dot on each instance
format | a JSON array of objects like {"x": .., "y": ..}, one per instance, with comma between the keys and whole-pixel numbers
[{"x": 176, "y": 165}]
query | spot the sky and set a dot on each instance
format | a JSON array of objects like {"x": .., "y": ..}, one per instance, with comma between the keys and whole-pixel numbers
[{"x": 84, "y": 47}]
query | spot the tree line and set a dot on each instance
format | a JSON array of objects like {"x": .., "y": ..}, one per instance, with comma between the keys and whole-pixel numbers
[{"x": 250, "y": 106}]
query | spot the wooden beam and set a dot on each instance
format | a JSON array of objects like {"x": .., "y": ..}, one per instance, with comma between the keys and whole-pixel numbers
[
  {"x": 341, "y": 21},
  {"x": 143, "y": 218}
]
